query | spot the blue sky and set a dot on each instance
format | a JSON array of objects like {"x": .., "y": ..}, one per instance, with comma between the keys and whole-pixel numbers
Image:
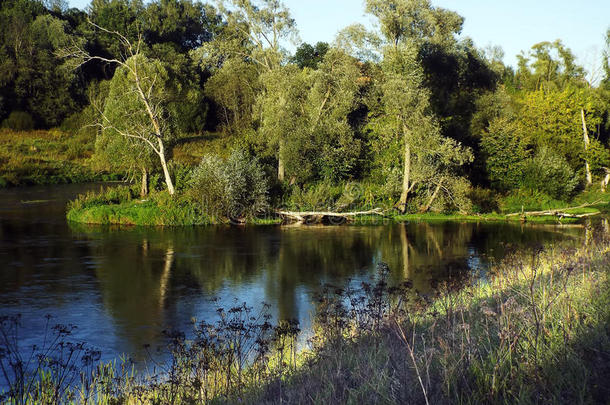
[{"x": 515, "y": 25}]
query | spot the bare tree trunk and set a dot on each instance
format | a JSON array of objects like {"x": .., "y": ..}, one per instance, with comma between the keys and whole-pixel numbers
[
  {"x": 587, "y": 142},
  {"x": 432, "y": 198},
  {"x": 280, "y": 162},
  {"x": 406, "y": 179},
  {"x": 144, "y": 189},
  {"x": 168, "y": 178},
  {"x": 606, "y": 179}
]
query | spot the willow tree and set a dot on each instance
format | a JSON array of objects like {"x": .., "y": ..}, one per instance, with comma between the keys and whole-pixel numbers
[
  {"x": 403, "y": 113},
  {"x": 254, "y": 33},
  {"x": 307, "y": 110},
  {"x": 136, "y": 106}
]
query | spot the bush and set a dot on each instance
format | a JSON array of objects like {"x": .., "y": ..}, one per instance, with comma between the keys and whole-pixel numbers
[
  {"x": 235, "y": 188},
  {"x": 483, "y": 200},
  {"x": 551, "y": 174},
  {"x": 19, "y": 121},
  {"x": 528, "y": 200}
]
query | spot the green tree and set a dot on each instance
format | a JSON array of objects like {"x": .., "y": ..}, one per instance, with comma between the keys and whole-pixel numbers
[
  {"x": 404, "y": 113},
  {"x": 305, "y": 114},
  {"x": 136, "y": 108},
  {"x": 555, "y": 119},
  {"x": 282, "y": 117},
  {"x": 606, "y": 62},
  {"x": 234, "y": 88},
  {"x": 548, "y": 66},
  {"x": 310, "y": 56},
  {"x": 253, "y": 32},
  {"x": 505, "y": 152},
  {"x": 32, "y": 78}
]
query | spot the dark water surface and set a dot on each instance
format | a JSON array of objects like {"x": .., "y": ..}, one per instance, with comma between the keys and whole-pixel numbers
[{"x": 122, "y": 286}]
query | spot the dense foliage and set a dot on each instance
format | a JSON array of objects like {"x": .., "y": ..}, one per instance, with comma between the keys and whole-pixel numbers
[{"x": 410, "y": 115}]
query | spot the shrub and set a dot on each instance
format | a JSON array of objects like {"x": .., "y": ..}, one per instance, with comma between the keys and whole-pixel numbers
[
  {"x": 551, "y": 174},
  {"x": 181, "y": 175},
  {"x": 483, "y": 200},
  {"x": 528, "y": 200},
  {"x": 318, "y": 196},
  {"x": 337, "y": 197},
  {"x": 234, "y": 188},
  {"x": 19, "y": 121}
]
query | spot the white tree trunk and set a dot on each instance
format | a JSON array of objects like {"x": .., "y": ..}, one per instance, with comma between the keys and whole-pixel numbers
[
  {"x": 280, "y": 162},
  {"x": 406, "y": 179},
  {"x": 144, "y": 189},
  {"x": 587, "y": 142},
  {"x": 606, "y": 180},
  {"x": 168, "y": 178}
]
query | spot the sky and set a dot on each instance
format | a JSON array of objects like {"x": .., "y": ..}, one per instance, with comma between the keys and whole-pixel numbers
[{"x": 515, "y": 25}]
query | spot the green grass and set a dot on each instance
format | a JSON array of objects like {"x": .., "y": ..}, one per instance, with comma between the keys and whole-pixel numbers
[
  {"x": 537, "y": 331},
  {"x": 434, "y": 217},
  {"x": 121, "y": 206},
  {"x": 47, "y": 157}
]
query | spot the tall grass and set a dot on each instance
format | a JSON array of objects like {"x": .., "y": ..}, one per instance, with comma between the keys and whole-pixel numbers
[
  {"x": 46, "y": 157},
  {"x": 122, "y": 205},
  {"x": 538, "y": 331}
]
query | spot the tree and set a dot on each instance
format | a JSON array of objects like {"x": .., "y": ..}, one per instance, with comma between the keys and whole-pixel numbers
[
  {"x": 549, "y": 66},
  {"x": 136, "y": 107},
  {"x": 305, "y": 113},
  {"x": 184, "y": 24},
  {"x": 282, "y": 115},
  {"x": 557, "y": 119},
  {"x": 254, "y": 32},
  {"x": 404, "y": 112},
  {"x": 32, "y": 78},
  {"x": 310, "y": 56},
  {"x": 505, "y": 152},
  {"x": 234, "y": 88},
  {"x": 606, "y": 62}
]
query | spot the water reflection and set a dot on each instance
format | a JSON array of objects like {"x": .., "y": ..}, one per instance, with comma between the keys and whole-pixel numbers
[{"x": 123, "y": 286}]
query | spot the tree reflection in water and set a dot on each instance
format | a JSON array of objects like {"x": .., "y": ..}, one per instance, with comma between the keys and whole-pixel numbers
[{"x": 153, "y": 279}]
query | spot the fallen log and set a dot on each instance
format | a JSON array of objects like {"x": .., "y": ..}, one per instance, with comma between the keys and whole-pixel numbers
[
  {"x": 559, "y": 212},
  {"x": 318, "y": 216}
]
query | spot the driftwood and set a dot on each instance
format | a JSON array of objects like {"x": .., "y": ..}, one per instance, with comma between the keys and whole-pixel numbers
[
  {"x": 319, "y": 216},
  {"x": 559, "y": 212}
]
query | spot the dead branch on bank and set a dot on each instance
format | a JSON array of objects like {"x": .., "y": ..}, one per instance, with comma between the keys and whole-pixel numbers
[{"x": 319, "y": 216}]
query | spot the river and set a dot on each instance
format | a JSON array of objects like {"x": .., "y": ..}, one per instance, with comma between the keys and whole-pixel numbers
[{"x": 121, "y": 287}]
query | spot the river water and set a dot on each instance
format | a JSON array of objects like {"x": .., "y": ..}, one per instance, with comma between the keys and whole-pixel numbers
[{"x": 121, "y": 287}]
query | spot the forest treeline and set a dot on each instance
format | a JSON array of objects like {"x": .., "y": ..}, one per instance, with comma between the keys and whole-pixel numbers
[{"x": 409, "y": 115}]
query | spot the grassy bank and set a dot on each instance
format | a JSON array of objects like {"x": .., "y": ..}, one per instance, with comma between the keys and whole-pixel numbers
[
  {"x": 185, "y": 209},
  {"x": 47, "y": 157},
  {"x": 537, "y": 330},
  {"x": 122, "y": 206},
  {"x": 150, "y": 213}
]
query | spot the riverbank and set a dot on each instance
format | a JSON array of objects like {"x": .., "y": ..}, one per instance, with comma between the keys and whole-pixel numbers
[
  {"x": 121, "y": 206},
  {"x": 47, "y": 157},
  {"x": 126, "y": 207},
  {"x": 537, "y": 328},
  {"x": 167, "y": 212}
]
